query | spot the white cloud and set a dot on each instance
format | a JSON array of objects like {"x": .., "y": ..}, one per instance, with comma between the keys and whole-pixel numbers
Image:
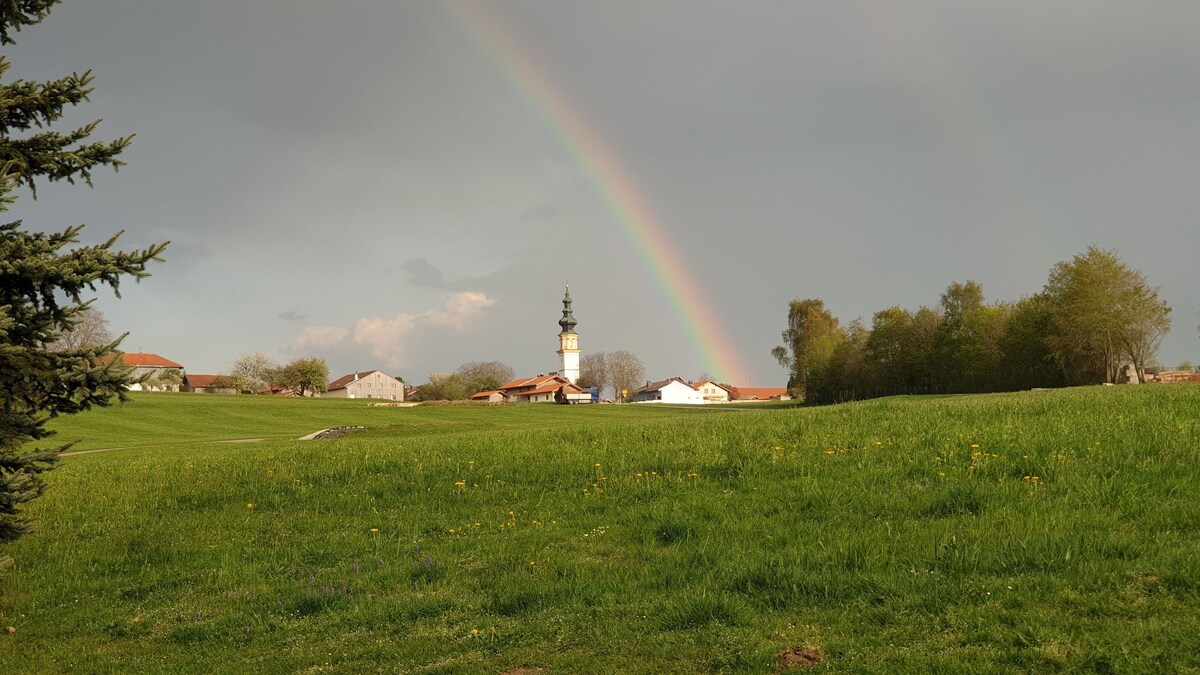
[
  {"x": 460, "y": 309},
  {"x": 318, "y": 336},
  {"x": 385, "y": 337}
]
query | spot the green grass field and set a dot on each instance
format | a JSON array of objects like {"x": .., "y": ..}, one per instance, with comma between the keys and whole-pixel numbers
[{"x": 1038, "y": 531}]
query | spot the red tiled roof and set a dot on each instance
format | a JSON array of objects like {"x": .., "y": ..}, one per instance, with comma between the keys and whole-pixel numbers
[
  {"x": 550, "y": 389},
  {"x": 538, "y": 381},
  {"x": 760, "y": 393},
  {"x": 204, "y": 380},
  {"x": 147, "y": 360},
  {"x": 485, "y": 394},
  {"x": 344, "y": 380}
]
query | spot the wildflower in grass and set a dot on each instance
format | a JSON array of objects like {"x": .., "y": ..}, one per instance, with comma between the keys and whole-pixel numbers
[
  {"x": 974, "y": 445},
  {"x": 829, "y": 452},
  {"x": 474, "y": 632},
  {"x": 249, "y": 505},
  {"x": 460, "y": 483},
  {"x": 374, "y": 530}
]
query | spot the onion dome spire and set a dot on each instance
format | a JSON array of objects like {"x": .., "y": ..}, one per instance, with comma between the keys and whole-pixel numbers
[{"x": 568, "y": 320}]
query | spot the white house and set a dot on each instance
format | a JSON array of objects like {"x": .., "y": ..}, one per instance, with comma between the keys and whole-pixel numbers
[
  {"x": 674, "y": 390},
  {"x": 369, "y": 384},
  {"x": 712, "y": 392},
  {"x": 164, "y": 374}
]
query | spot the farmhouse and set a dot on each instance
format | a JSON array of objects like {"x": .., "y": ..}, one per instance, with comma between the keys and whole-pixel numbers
[
  {"x": 711, "y": 392},
  {"x": 162, "y": 374},
  {"x": 540, "y": 389},
  {"x": 674, "y": 390},
  {"x": 368, "y": 384}
]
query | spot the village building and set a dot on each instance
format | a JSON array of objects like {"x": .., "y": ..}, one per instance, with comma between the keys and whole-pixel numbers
[
  {"x": 674, "y": 390},
  {"x": 161, "y": 374},
  {"x": 562, "y": 386},
  {"x": 711, "y": 392},
  {"x": 547, "y": 388},
  {"x": 208, "y": 384},
  {"x": 568, "y": 342},
  {"x": 557, "y": 387},
  {"x": 367, "y": 384},
  {"x": 760, "y": 394}
]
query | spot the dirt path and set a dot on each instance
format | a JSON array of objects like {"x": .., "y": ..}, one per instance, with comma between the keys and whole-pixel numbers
[{"x": 156, "y": 445}]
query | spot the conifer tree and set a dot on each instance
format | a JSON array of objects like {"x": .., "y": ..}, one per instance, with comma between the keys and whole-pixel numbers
[{"x": 43, "y": 277}]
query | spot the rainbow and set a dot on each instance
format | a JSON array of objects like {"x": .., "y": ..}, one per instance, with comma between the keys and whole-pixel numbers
[{"x": 615, "y": 186}]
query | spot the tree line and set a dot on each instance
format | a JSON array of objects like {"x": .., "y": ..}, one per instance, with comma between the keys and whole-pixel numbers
[{"x": 1093, "y": 317}]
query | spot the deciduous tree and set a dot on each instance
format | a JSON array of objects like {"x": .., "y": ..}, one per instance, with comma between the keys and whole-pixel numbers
[
  {"x": 90, "y": 329},
  {"x": 484, "y": 375},
  {"x": 593, "y": 370},
  {"x": 1104, "y": 314},
  {"x": 303, "y": 376},
  {"x": 625, "y": 371},
  {"x": 43, "y": 277},
  {"x": 808, "y": 342},
  {"x": 252, "y": 372}
]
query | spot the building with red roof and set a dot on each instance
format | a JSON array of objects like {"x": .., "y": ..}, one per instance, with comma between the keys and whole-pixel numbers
[{"x": 161, "y": 374}]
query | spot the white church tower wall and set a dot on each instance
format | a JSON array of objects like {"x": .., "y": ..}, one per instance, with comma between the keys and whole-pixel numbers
[{"x": 568, "y": 342}]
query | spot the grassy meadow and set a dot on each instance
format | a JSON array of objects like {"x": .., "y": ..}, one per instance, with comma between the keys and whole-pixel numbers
[{"x": 1038, "y": 531}]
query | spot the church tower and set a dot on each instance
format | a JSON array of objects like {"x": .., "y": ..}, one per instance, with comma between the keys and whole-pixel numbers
[{"x": 568, "y": 342}]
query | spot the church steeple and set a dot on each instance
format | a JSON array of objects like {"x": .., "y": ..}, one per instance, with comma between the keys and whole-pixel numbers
[
  {"x": 568, "y": 342},
  {"x": 568, "y": 319}
]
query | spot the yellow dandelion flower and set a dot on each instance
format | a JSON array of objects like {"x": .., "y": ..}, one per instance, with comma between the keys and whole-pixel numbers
[
  {"x": 249, "y": 505},
  {"x": 460, "y": 483},
  {"x": 829, "y": 452},
  {"x": 974, "y": 445},
  {"x": 374, "y": 529}
]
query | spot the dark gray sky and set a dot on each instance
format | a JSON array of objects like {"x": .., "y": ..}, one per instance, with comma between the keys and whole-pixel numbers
[{"x": 367, "y": 181}]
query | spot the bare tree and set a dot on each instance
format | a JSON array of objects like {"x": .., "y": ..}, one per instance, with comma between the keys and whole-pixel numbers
[
  {"x": 90, "y": 329},
  {"x": 625, "y": 370},
  {"x": 593, "y": 370},
  {"x": 252, "y": 372}
]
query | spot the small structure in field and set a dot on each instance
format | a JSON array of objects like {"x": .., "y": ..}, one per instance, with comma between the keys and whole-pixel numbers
[{"x": 208, "y": 384}]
